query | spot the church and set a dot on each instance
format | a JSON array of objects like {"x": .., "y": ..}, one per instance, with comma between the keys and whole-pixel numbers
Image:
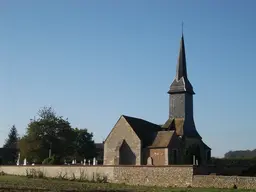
[{"x": 134, "y": 141}]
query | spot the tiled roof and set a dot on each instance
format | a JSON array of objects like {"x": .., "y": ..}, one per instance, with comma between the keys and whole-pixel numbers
[
  {"x": 162, "y": 139},
  {"x": 145, "y": 130},
  {"x": 179, "y": 126},
  {"x": 168, "y": 123},
  {"x": 175, "y": 124}
]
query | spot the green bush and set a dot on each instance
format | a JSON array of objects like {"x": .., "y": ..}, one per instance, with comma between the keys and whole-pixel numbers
[{"x": 53, "y": 160}]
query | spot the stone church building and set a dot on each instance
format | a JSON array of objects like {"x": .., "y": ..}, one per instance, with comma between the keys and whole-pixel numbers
[{"x": 134, "y": 141}]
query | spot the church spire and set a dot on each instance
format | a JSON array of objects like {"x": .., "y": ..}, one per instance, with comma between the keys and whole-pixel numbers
[
  {"x": 181, "y": 65},
  {"x": 181, "y": 82}
]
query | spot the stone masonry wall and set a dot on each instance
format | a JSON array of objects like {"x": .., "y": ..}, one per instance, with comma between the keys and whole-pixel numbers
[
  {"x": 164, "y": 176},
  {"x": 212, "y": 181},
  {"x": 179, "y": 176},
  {"x": 121, "y": 131},
  {"x": 172, "y": 176},
  {"x": 85, "y": 172}
]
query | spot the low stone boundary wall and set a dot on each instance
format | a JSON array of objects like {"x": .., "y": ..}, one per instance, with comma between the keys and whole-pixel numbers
[
  {"x": 165, "y": 176},
  {"x": 62, "y": 172},
  {"x": 212, "y": 181},
  {"x": 173, "y": 176},
  {"x": 169, "y": 176},
  {"x": 220, "y": 170}
]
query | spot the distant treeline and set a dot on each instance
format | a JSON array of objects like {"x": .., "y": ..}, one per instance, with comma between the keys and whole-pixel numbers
[{"x": 241, "y": 154}]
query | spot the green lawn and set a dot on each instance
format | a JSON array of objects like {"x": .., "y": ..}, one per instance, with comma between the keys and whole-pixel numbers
[{"x": 16, "y": 182}]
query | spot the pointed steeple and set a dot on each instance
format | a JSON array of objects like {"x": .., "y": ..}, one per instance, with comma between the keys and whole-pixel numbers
[
  {"x": 181, "y": 82},
  {"x": 181, "y": 65}
]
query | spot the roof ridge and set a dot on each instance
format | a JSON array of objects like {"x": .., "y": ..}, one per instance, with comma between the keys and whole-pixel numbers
[{"x": 127, "y": 117}]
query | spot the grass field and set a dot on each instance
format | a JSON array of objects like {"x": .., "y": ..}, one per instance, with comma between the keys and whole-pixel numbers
[{"x": 14, "y": 183}]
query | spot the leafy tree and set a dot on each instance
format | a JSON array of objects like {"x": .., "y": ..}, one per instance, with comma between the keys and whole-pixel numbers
[
  {"x": 12, "y": 140},
  {"x": 50, "y": 134},
  {"x": 84, "y": 146}
]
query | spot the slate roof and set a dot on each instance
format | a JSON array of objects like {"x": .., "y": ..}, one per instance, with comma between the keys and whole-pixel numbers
[
  {"x": 206, "y": 146},
  {"x": 162, "y": 139},
  {"x": 145, "y": 130},
  {"x": 181, "y": 82},
  {"x": 156, "y": 136},
  {"x": 175, "y": 124},
  {"x": 178, "y": 124}
]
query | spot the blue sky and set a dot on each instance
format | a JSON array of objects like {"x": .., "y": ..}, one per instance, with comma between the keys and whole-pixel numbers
[{"x": 95, "y": 60}]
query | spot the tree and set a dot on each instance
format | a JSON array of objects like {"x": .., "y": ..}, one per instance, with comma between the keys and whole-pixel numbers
[
  {"x": 83, "y": 144},
  {"x": 12, "y": 140},
  {"x": 50, "y": 135},
  {"x": 241, "y": 154}
]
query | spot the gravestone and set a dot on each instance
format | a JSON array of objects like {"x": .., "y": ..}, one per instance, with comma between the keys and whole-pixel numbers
[
  {"x": 18, "y": 160},
  {"x": 94, "y": 161},
  {"x": 89, "y": 162},
  {"x": 149, "y": 161},
  {"x": 25, "y": 162},
  {"x": 84, "y": 161}
]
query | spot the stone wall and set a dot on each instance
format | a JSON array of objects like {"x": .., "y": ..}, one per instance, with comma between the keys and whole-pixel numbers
[
  {"x": 221, "y": 170},
  {"x": 122, "y": 138},
  {"x": 165, "y": 176},
  {"x": 79, "y": 172},
  {"x": 179, "y": 176},
  {"x": 212, "y": 181},
  {"x": 159, "y": 156},
  {"x": 172, "y": 176}
]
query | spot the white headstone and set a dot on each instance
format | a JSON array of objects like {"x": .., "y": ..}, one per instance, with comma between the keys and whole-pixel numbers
[
  {"x": 73, "y": 162},
  {"x": 84, "y": 161},
  {"x": 25, "y": 162},
  {"x": 18, "y": 160},
  {"x": 149, "y": 161},
  {"x": 89, "y": 162},
  {"x": 94, "y": 161}
]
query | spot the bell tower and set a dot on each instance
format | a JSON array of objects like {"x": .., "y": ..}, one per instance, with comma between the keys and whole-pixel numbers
[{"x": 181, "y": 95}]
